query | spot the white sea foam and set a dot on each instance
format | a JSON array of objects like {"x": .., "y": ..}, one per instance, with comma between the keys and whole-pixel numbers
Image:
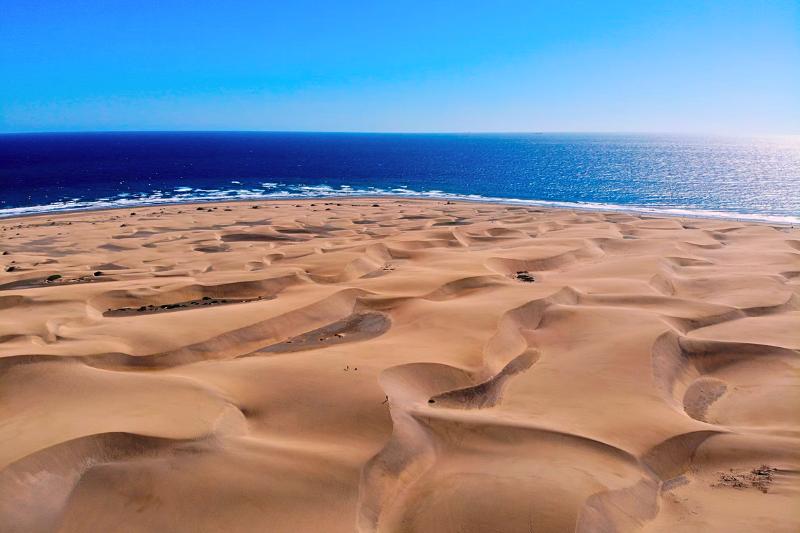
[{"x": 187, "y": 194}]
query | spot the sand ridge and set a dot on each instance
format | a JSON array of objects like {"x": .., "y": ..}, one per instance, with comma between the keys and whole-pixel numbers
[{"x": 362, "y": 364}]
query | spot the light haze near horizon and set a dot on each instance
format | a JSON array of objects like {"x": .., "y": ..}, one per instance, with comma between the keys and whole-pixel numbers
[{"x": 687, "y": 66}]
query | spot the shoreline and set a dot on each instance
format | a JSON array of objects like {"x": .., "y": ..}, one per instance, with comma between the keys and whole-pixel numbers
[{"x": 671, "y": 213}]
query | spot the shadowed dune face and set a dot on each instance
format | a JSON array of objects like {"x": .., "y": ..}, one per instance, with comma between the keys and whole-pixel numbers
[{"x": 397, "y": 366}]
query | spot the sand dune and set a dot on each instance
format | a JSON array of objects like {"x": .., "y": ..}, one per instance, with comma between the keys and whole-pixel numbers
[{"x": 397, "y": 365}]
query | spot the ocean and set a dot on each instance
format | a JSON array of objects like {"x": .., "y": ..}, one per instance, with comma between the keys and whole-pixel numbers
[{"x": 747, "y": 178}]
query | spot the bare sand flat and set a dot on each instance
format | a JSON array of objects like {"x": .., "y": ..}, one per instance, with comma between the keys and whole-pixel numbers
[{"x": 397, "y": 365}]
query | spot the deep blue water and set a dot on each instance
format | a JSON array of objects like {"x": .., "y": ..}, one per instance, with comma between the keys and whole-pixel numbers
[{"x": 740, "y": 177}]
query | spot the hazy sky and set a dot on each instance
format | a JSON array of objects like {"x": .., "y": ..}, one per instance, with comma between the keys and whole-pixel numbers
[{"x": 680, "y": 66}]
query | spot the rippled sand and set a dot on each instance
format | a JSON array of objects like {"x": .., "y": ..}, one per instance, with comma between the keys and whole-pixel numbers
[{"x": 397, "y": 365}]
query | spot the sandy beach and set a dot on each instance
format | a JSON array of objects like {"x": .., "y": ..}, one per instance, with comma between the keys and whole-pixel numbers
[{"x": 397, "y": 365}]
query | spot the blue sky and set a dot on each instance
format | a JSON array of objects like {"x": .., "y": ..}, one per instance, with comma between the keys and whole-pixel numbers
[{"x": 681, "y": 66}]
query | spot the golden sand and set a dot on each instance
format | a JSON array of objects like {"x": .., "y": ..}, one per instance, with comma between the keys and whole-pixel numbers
[{"x": 397, "y": 365}]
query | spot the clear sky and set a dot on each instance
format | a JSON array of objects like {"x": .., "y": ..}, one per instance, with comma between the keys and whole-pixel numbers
[{"x": 673, "y": 66}]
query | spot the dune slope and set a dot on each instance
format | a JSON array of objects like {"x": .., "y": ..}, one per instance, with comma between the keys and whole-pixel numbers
[{"x": 394, "y": 365}]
